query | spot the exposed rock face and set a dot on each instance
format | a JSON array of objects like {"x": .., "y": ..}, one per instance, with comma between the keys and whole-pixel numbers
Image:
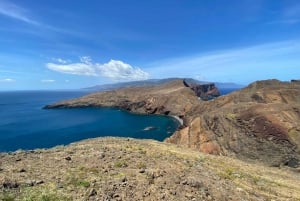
[
  {"x": 205, "y": 91},
  {"x": 261, "y": 121}
]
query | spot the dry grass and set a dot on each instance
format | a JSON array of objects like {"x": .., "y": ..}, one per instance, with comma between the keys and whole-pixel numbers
[{"x": 131, "y": 169}]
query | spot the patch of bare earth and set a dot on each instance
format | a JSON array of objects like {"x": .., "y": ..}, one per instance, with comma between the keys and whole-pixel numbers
[{"x": 130, "y": 169}]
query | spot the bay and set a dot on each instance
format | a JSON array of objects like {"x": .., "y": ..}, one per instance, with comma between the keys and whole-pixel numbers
[{"x": 25, "y": 125}]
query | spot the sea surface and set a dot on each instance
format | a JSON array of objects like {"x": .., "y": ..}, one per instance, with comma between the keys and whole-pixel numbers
[{"x": 25, "y": 125}]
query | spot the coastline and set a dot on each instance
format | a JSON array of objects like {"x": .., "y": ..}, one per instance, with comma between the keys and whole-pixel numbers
[{"x": 178, "y": 119}]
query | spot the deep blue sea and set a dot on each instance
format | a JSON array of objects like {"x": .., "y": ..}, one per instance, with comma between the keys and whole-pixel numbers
[
  {"x": 25, "y": 125},
  {"x": 224, "y": 91}
]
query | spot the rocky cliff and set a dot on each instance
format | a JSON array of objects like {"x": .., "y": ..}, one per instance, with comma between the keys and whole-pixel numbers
[
  {"x": 206, "y": 91},
  {"x": 260, "y": 122}
]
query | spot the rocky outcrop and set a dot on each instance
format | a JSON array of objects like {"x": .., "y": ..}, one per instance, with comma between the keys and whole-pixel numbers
[
  {"x": 206, "y": 91},
  {"x": 260, "y": 122}
]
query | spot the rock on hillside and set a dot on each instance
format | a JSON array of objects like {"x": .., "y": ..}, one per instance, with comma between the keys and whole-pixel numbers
[
  {"x": 128, "y": 169},
  {"x": 261, "y": 122}
]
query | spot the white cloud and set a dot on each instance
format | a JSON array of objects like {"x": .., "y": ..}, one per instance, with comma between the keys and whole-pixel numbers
[
  {"x": 47, "y": 81},
  {"x": 73, "y": 68},
  {"x": 115, "y": 70},
  {"x": 13, "y": 11},
  {"x": 7, "y": 80},
  {"x": 120, "y": 70}
]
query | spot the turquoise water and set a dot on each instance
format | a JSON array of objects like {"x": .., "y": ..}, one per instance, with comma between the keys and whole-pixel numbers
[{"x": 25, "y": 125}]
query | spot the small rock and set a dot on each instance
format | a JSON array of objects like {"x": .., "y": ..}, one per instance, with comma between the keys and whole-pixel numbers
[
  {"x": 22, "y": 170},
  {"x": 29, "y": 183},
  {"x": 39, "y": 182},
  {"x": 1, "y": 169},
  {"x": 92, "y": 192},
  {"x": 184, "y": 182},
  {"x": 68, "y": 158},
  {"x": 18, "y": 159},
  {"x": 116, "y": 195},
  {"x": 239, "y": 189},
  {"x": 293, "y": 163},
  {"x": 123, "y": 179},
  {"x": 10, "y": 185},
  {"x": 142, "y": 171},
  {"x": 101, "y": 155},
  {"x": 146, "y": 193},
  {"x": 194, "y": 183},
  {"x": 177, "y": 181}
]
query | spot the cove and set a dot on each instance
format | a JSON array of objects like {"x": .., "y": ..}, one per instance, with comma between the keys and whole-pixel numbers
[{"x": 25, "y": 125}]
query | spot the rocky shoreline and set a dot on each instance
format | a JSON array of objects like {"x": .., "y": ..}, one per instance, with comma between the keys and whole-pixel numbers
[{"x": 180, "y": 121}]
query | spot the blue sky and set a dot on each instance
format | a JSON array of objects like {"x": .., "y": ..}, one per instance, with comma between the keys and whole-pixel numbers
[{"x": 69, "y": 44}]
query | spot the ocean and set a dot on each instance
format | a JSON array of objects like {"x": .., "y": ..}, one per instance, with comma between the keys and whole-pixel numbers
[{"x": 25, "y": 125}]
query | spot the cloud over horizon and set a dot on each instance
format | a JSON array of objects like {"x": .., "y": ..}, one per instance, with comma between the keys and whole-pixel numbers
[
  {"x": 7, "y": 80},
  {"x": 114, "y": 69},
  {"x": 48, "y": 81}
]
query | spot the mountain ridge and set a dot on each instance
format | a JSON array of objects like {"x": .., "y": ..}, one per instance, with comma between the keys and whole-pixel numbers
[{"x": 154, "y": 82}]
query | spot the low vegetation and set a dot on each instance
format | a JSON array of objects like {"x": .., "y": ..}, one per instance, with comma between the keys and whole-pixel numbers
[{"x": 129, "y": 169}]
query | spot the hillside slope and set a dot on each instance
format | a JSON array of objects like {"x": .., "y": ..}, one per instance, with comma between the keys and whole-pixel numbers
[
  {"x": 130, "y": 169},
  {"x": 261, "y": 122}
]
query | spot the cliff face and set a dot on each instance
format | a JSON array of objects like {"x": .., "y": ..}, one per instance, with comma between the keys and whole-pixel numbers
[
  {"x": 261, "y": 122},
  {"x": 205, "y": 91}
]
